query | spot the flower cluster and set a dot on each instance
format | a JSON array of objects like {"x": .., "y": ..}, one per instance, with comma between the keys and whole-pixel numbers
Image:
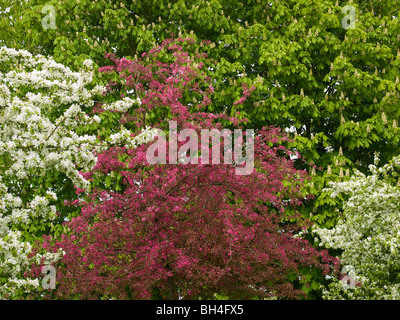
[
  {"x": 201, "y": 227},
  {"x": 122, "y": 105},
  {"x": 191, "y": 230},
  {"x": 368, "y": 233},
  {"x": 125, "y": 137}
]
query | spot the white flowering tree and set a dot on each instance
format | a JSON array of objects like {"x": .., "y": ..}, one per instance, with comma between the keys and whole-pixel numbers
[
  {"x": 44, "y": 110},
  {"x": 368, "y": 233}
]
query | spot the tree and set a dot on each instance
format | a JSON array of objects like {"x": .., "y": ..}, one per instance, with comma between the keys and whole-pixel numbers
[
  {"x": 367, "y": 233},
  {"x": 336, "y": 86},
  {"x": 43, "y": 109},
  {"x": 185, "y": 230}
]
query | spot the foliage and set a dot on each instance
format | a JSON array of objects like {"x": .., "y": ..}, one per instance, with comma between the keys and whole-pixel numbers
[
  {"x": 185, "y": 230},
  {"x": 337, "y": 88},
  {"x": 334, "y": 90}
]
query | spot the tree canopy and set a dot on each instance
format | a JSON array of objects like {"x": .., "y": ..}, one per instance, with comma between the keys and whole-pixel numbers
[
  {"x": 325, "y": 72},
  {"x": 335, "y": 88}
]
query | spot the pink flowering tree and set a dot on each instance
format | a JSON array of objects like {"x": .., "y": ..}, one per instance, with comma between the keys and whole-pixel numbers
[{"x": 184, "y": 230}]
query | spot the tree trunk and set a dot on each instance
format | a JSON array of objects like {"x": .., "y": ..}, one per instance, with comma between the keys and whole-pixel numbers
[{"x": 173, "y": 293}]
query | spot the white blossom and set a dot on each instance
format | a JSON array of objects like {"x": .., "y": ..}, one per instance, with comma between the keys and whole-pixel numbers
[
  {"x": 368, "y": 233},
  {"x": 122, "y": 105}
]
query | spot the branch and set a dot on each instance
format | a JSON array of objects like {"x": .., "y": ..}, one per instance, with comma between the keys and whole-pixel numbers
[{"x": 54, "y": 130}]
